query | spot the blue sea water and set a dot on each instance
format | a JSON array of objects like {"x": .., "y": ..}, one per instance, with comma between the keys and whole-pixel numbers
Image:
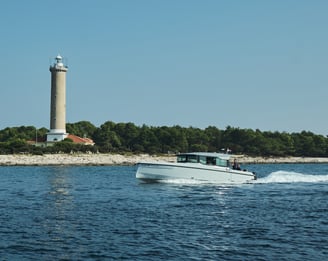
[{"x": 104, "y": 213}]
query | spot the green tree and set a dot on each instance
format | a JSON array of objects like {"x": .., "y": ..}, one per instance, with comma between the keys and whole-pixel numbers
[
  {"x": 197, "y": 139},
  {"x": 106, "y": 138},
  {"x": 147, "y": 140},
  {"x": 81, "y": 128},
  {"x": 214, "y": 136},
  {"x": 127, "y": 134}
]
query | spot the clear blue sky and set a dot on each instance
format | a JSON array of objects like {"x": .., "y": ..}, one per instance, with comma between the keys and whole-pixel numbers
[{"x": 248, "y": 64}]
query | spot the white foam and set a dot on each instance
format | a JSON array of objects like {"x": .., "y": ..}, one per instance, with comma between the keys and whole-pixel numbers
[
  {"x": 198, "y": 182},
  {"x": 183, "y": 181},
  {"x": 291, "y": 177}
]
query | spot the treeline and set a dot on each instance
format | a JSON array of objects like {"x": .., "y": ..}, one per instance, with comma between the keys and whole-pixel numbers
[{"x": 127, "y": 137}]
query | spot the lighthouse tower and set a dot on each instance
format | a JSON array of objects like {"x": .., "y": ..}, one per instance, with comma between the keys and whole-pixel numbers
[{"x": 58, "y": 101}]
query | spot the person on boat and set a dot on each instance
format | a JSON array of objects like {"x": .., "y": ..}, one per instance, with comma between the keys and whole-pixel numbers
[{"x": 235, "y": 165}]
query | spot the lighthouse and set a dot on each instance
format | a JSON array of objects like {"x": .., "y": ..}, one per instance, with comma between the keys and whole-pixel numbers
[{"x": 58, "y": 101}]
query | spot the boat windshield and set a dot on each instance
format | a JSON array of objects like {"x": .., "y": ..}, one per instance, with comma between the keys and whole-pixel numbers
[{"x": 206, "y": 160}]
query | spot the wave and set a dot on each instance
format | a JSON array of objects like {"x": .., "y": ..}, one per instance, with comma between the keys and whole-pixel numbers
[
  {"x": 183, "y": 181},
  {"x": 292, "y": 177},
  {"x": 275, "y": 177}
]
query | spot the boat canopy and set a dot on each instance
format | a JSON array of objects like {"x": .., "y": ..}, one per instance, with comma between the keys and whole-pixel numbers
[{"x": 205, "y": 158}]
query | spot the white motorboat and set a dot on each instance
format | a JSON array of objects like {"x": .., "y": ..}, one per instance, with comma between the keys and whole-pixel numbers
[{"x": 201, "y": 166}]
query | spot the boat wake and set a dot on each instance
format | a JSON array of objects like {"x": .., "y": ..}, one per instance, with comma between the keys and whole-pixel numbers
[
  {"x": 291, "y": 177},
  {"x": 275, "y": 177},
  {"x": 183, "y": 181}
]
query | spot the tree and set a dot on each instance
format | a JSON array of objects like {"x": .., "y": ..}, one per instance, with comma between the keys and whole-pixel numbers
[
  {"x": 122, "y": 137},
  {"x": 81, "y": 128},
  {"x": 106, "y": 137},
  {"x": 127, "y": 133},
  {"x": 197, "y": 139},
  {"x": 148, "y": 140},
  {"x": 214, "y": 138}
]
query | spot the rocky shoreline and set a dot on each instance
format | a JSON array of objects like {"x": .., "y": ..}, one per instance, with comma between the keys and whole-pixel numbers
[
  {"x": 278, "y": 160},
  {"x": 78, "y": 159},
  {"x": 119, "y": 159}
]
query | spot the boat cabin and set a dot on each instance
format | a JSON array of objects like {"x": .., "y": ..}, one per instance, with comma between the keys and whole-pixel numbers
[{"x": 215, "y": 159}]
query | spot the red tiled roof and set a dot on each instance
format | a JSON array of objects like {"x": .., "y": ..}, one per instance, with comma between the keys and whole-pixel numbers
[
  {"x": 74, "y": 138},
  {"x": 77, "y": 139}
]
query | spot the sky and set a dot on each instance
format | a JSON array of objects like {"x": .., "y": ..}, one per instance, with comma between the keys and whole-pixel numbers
[{"x": 246, "y": 64}]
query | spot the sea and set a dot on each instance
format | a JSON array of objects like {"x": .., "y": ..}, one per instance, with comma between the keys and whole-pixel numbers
[{"x": 104, "y": 213}]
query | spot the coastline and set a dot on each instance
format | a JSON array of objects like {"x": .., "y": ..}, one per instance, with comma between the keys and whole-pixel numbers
[
  {"x": 280, "y": 160},
  {"x": 119, "y": 159},
  {"x": 78, "y": 159}
]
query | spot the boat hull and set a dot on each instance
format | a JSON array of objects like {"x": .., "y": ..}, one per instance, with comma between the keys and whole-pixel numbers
[{"x": 152, "y": 172}]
